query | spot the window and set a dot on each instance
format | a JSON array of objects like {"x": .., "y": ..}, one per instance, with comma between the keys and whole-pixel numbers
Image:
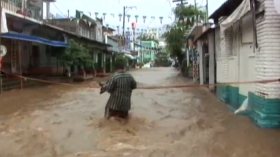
[
  {"x": 80, "y": 31},
  {"x": 247, "y": 29}
]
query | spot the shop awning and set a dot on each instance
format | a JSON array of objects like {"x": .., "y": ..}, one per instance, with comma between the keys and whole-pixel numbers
[
  {"x": 239, "y": 12},
  {"x": 129, "y": 56},
  {"x": 34, "y": 39}
]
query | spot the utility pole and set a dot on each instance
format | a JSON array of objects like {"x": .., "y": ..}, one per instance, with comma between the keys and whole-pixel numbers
[
  {"x": 124, "y": 14},
  {"x": 196, "y": 16},
  {"x": 1, "y": 81},
  {"x": 124, "y": 20},
  {"x": 207, "y": 10}
]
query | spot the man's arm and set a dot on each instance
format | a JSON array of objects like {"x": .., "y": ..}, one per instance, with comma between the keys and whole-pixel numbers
[
  {"x": 133, "y": 83},
  {"x": 110, "y": 86}
]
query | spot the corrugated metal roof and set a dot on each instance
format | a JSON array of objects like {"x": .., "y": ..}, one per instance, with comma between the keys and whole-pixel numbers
[{"x": 225, "y": 9}]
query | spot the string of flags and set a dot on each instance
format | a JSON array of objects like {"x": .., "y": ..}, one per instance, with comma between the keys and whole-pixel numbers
[
  {"x": 120, "y": 17},
  {"x": 128, "y": 16},
  {"x": 135, "y": 31}
]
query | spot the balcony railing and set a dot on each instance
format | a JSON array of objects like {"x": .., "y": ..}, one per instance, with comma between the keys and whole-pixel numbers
[{"x": 19, "y": 7}]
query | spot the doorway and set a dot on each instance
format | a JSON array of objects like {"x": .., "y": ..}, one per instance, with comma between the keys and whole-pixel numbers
[{"x": 35, "y": 56}]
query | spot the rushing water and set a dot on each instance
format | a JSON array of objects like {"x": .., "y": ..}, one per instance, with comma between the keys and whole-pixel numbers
[{"x": 60, "y": 121}]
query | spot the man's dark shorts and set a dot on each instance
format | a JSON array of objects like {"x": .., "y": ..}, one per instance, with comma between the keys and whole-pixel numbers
[{"x": 114, "y": 113}]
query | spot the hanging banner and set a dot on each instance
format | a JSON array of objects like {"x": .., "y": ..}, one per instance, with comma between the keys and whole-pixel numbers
[
  {"x": 96, "y": 14},
  {"x": 160, "y": 18},
  {"x": 133, "y": 25},
  {"x": 144, "y": 18},
  {"x": 120, "y": 17},
  {"x": 104, "y": 16},
  {"x": 128, "y": 18},
  {"x": 136, "y": 18}
]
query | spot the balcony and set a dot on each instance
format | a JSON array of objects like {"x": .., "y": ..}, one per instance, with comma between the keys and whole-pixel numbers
[{"x": 22, "y": 7}]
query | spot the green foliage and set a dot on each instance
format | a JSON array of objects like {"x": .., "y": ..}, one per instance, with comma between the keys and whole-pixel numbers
[
  {"x": 76, "y": 54},
  {"x": 145, "y": 61},
  {"x": 162, "y": 59},
  {"x": 189, "y": 14},
  {"x": 176, "y": 36},
  {"x": 120, "y": 58}
]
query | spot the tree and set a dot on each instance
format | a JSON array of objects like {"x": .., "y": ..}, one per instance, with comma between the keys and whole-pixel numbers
[
  {"x": 175, "y": 37},
  {"x": 162, "y": 59},
  {"x": 75, "y": 54}
]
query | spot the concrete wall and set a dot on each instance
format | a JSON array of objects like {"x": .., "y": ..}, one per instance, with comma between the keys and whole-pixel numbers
[
  {"x": 247, "y": 63},
  {"x": 67, "y": 25},
  {"x": 80, "y": 28},
  {"x": 268, "y": 66},
  {"x": 236, "y": 62},
  {"x": 246, "y": 55},
  {"x": 114, "y": 43}
]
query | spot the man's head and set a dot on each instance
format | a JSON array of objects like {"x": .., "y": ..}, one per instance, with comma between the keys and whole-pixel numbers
[{"x": 120, "y": 66}]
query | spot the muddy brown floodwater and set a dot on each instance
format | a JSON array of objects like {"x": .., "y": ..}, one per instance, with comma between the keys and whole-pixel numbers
[{"x": 60, "y": 121}]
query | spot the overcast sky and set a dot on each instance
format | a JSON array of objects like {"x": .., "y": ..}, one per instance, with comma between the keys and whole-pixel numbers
[{"x": 147, "y": 8}]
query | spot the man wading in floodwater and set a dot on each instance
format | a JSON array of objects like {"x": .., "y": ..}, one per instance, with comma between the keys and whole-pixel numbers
[{"x": 120, "y": 87}]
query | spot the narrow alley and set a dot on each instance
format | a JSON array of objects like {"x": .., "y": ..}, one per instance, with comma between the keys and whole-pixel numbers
[{"x": 60, "y": 121}]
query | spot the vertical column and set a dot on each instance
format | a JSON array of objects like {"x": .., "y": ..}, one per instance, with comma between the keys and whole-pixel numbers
[
  {"x": 211, "y": 51},
  {"x": 104, "y": 62},
  {"x": 111, "y": 64},
  {"x": 267, "y": 64},
  {"x": 48, "y": 10},
  {"x": 200, "y": 63},
  {"x": 224, "y": 36}
]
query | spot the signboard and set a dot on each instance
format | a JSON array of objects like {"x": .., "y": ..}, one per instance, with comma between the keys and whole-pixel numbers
[{"x": 133, "y": 25}]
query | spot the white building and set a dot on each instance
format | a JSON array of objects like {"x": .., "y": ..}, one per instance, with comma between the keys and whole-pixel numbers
[{"x": 245, "y": 48}]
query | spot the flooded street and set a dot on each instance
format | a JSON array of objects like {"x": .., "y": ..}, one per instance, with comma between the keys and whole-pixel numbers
[{"x": 61, "y": 121}]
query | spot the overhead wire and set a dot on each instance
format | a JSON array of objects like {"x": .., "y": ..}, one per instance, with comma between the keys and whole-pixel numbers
[
  {"x": 59, "y": 10},
  {"x": 62, "y": 5},
  {"x": 201, "y": 3}
]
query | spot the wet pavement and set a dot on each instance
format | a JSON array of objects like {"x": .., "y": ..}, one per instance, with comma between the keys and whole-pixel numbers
[{"x": 62, "y": 121}]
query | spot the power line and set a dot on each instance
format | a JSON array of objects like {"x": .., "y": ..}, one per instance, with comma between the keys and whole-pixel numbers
[
  {"x": 59, "y": 10},
  {"x": 61, "y": 5},
  {"x": 201, "y": 3}
]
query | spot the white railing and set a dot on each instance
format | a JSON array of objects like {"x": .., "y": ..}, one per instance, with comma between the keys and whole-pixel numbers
[
  {"x": 10, "y": 6},
  {"x": 16, "y": 7}
]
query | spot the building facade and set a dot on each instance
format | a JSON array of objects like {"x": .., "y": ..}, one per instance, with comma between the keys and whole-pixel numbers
[
  {"x": 248, "y": 52},
  {"x": 147, "y": 54}
]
